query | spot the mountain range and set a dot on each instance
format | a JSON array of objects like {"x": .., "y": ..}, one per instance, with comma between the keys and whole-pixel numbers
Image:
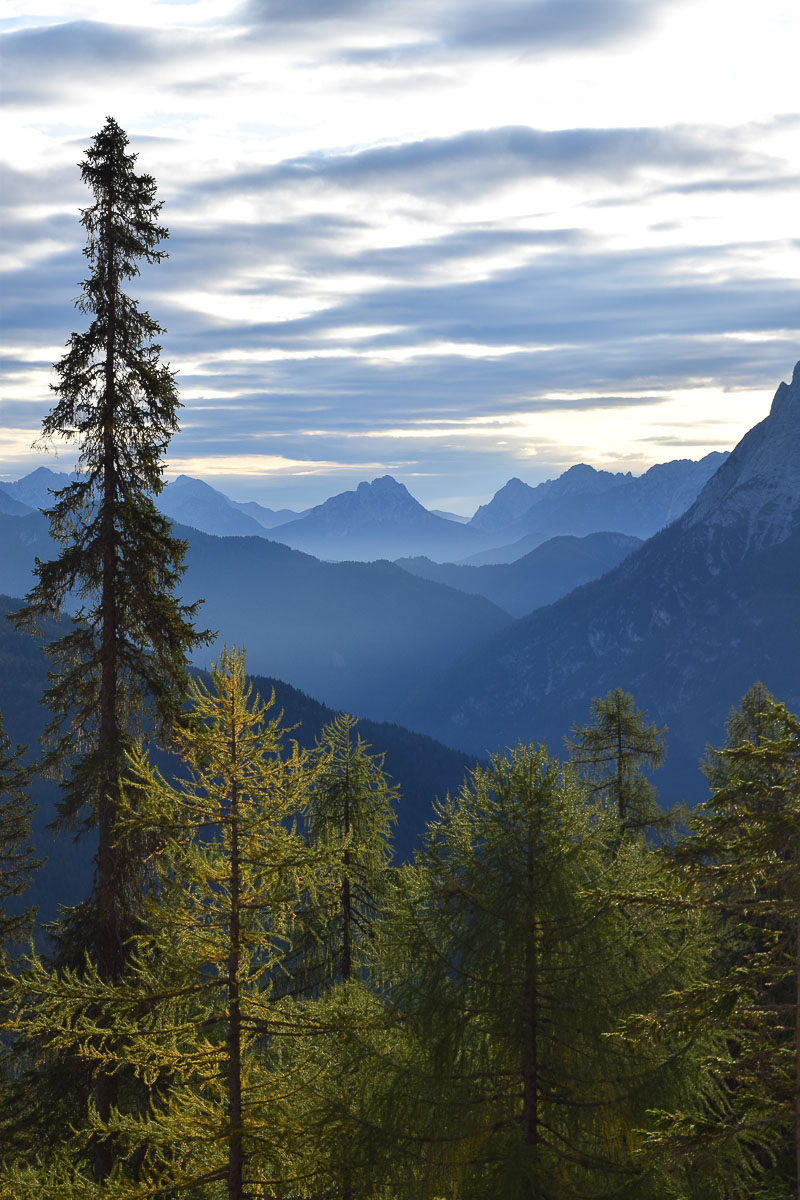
[
  {"x": 539, "y": 577},
  {"x": 357, "y": 635},
  {"x": 382, "y": 519},
  {"x": 583, "y": 501},
  {"x": 686, "y": 620},
  {"x": 687, "y": 623}
]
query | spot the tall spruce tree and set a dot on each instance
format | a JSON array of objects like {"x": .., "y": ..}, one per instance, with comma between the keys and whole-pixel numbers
[{"x": 123, "y": 662}]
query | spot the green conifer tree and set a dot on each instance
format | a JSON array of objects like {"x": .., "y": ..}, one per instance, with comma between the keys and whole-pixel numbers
[
  {"x": 123, "y": 661},
  {"x": 522, "y": 944},
  {"x": 350, "y": 818},
  {"x": 351, "y": 812},
  {"x": 610, "y": 754},
  {"x": 196, "y": 1014},
  {"x": 743, "y": 851}
]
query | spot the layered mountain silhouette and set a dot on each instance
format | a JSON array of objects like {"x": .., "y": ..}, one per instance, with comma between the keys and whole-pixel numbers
[
  {"x": 687, "y": 623},
  {"x": 195, "y": 503},
  {"x": 11, "y": 506},
  {"x": 380, "y": 519},
  {"x": 357, "y": 635},
  {"x": 538, "y": 578},
  {"x": 423, "y": 768},
  {"x": 583, "y": 501}
]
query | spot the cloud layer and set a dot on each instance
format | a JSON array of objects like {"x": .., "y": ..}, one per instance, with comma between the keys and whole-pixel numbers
[{"x": 381, "y": 261}]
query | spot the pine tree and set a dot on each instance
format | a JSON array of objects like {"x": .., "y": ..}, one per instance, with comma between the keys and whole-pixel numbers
[
  {"x": 350, "y": 818},
  {"x": 524, "y": 943},
  {"x": 351, "y": 812},
  {"x": 611, "y": 752},
  {"x": 123, "y": 662},
  {"x": 743, "y": 851}
]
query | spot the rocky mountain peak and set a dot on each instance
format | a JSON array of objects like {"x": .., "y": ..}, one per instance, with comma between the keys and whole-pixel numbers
[
  {"x": 755, "y": 494},
  {"x": 384, "y": 495},
  {"x": 509, "y": 503},
  {"x": 786, "y": 402}
]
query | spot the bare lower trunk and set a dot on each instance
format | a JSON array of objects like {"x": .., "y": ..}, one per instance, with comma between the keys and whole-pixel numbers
[{"x": 530, "y": 1001}]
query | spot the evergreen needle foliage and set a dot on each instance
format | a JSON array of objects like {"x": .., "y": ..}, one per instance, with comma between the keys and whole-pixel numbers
[
  {"x": 526, "y": 942},
  {"x": 743, "y": 853},
  {"x": 351, "y": 812},
  {"x": 196, "y": 1016},
  {"x": 610, "y": 754}
]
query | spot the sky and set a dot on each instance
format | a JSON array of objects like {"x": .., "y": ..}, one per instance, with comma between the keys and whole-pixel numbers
[{"x": 445, "y": 240}]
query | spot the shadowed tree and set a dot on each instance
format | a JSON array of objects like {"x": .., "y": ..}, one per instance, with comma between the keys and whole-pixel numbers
[
  {"x": 351, "y": 811},
  {"x": 521, "y": 942},
  {"x": 610, "y": 754},
  {"x": 350, "y": 819},
  {"x": 743, "y": 853}
]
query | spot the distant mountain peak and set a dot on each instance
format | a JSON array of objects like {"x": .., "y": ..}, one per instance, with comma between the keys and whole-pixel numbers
[
  {"x": 379, "y": 498},
  {"x": 386, "y": 489},
  {"x": 383, "y": 483},
  {"x": 754, "y": 497},
  {"x": 786, "y": 402},
  {"x": 578, "y": 469}
]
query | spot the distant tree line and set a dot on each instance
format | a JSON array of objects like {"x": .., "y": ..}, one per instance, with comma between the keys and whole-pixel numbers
[{"x": 568, "y": 994}]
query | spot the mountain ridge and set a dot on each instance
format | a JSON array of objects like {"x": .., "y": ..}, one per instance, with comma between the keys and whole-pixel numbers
[{"x": 687, "y": 622}]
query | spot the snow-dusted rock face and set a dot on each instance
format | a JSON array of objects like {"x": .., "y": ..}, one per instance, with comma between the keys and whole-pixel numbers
[
  {"x": 383, "y": 501},
  {"x": 756, "y": 493}
]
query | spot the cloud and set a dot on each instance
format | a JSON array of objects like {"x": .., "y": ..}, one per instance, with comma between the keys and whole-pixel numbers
[
  {"x": 547, "y": 24},
  {"x": 299, "y": 11},
  {"x": 450, "y": 27},
  {"x": 477, "y": 162},
  {"x": 39, "y": 63}
]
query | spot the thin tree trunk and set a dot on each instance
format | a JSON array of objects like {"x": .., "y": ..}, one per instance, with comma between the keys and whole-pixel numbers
[
  {"x": 530, "y": 1000},
  {"x": 109, "y": 886},
  {"x": 621, "y": 805},
  {"x": 347, "y": 918},
  {"x": 235, "y": 1148}
]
